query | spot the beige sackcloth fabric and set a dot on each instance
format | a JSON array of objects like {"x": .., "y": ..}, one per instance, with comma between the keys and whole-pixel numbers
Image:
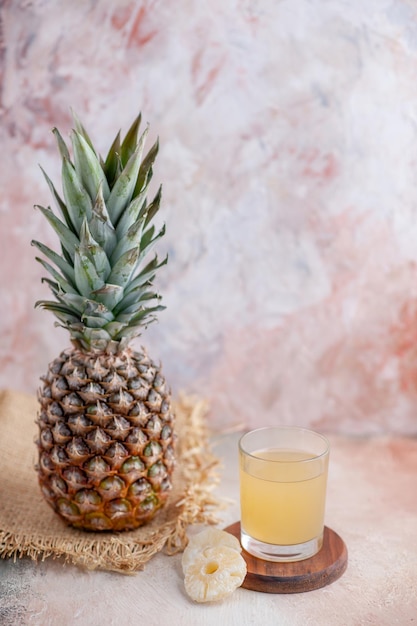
[{"x": 29, "y": 527}]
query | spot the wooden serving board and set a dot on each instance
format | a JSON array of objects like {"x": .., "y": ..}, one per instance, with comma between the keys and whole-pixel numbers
[{"x": 318, "y": 571}]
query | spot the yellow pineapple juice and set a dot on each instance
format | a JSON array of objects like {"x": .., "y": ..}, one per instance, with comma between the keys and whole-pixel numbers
[
  {"x": 282, "y": 500},
  {"x": 283, "y": 492}
]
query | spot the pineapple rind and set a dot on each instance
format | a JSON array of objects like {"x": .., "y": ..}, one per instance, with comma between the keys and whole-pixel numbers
[{"x": 106, "y": 443}]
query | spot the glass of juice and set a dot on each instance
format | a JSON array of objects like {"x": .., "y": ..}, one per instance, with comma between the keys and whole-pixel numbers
[{"x": 283, "y": 477}]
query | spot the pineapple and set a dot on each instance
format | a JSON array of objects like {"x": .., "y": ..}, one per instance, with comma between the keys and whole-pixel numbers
[
  {"x": 208, "y": 538},
  {"x": 106, "y": 427},
  {"x": 213, "y": 565}
]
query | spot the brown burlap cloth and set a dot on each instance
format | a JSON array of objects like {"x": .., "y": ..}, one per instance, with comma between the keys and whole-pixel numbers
[{"x": 29, "y": 527}]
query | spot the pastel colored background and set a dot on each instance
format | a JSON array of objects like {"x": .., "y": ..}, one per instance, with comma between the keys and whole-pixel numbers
[{"x": 288, "y": 134}]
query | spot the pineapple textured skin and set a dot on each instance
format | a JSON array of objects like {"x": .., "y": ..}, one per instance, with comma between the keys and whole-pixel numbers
[{"x": 106, "y": 443}]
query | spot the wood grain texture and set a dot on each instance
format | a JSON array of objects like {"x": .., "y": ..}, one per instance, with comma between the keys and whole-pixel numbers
[{"x": 320, "y": 570}]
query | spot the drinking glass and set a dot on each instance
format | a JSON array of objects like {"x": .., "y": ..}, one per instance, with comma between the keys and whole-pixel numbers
[{"x": 283, "y": 477}]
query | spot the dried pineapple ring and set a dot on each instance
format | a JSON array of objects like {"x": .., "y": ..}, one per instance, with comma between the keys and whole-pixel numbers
[
  {"x": 214, "y": 574},
  {"x": 208, "y": 538}
]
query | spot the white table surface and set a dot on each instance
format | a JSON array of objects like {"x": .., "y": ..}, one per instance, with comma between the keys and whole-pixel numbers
[{"x": 371, "y": 504}]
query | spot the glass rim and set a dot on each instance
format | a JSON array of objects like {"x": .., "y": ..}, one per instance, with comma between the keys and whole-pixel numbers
[{"x": 282, "y": 428}]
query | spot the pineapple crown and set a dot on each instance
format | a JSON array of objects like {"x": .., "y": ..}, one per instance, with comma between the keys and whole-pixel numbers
[{"x": 102, "y": 280}]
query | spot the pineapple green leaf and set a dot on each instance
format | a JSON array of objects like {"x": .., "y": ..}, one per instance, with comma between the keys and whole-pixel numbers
[
  {"x": 60, "y": 262},
  {"x": 153, "y": 207},
  {"x": 53, "y": 285},
  {"x": 64, "y": 285},
  {"x": 66, "y": 255},
  {"x": 109, "y": 295},
  {"x": 145, "y": 171},
  {"x": 97, "y": 308},
  {"x": 95, "y": 252},
  {"x": 129, "y": 312},
  {"x": 144, "y": 313},
  {"x": 62, "y": 146},
  {"x": 65, "y": 313},
  {"x": 102, "y": 288},
  {"x": 81, "y": 130},
  {"x": 101, "y": 227},
  {"x": 98, "y": 337},
  {"x": 93, "y": 321},
  {"x": 143, "y": 319},
  {"x": 124, "y": 268},
  {"x": 145, "y": 296},
  {"x": 122, "y": 191},
  {"x": 60, "y": 203},
  {"x": 151, "y": 267},
  {"x": 68, "y": 239},
  {"x": 78, "y": 201},
  {"x": 86, "y": 276},
  {"x": 87, "y": 166},
  {"x": 130, "y": 240},
  {"x": 113, "y": 328},
  {"x": 112, "y": 165},
  {"x": 74, "y": 301},
  {"x": 134, "y": 211},
  {"x": 86, "y": 306},
  {"x": 130, "y": 141},
  {"x": 148, "y": 240},
  {"x": 145, "y": 275},
  {"x": 73, "y": 328},
  {"x": 130, "y": 299},
  {"x": 76, "y": 332}
]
